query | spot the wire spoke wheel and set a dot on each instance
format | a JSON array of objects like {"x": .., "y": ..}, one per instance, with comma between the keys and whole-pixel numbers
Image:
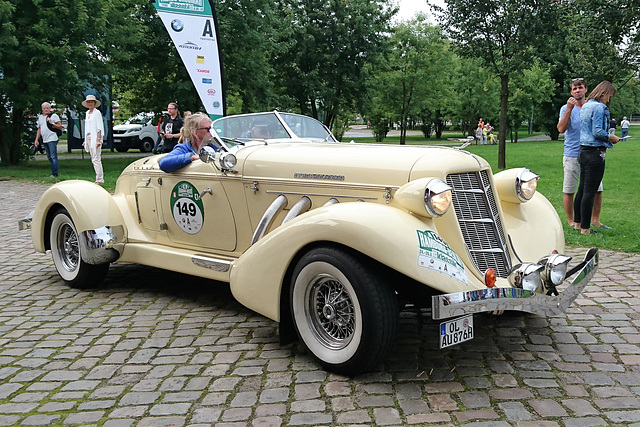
[
  {"x": 67, "y": 254},
  {"x": 343, "y": 311},
  {"x": 331, "y": 312}
]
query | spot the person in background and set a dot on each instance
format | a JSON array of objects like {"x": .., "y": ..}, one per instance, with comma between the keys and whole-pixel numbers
[
  {"x": 594, "y": 141},
  {"x": 93, "y": 134},
  {"x": 478, "y": 134},
  {"x": 49, "y": 136},
  {"x": 569, "y": 124},
  {"x": 196, "y": 134},
  {"x": 186, "y": 114},
  {"x": 613, "y": 124},
  {"x": 624, "y": 125},
  {"x": 171, "y": 127},
  {"x": 492, "y": 136},
  {"x": 157, "y": 144}
]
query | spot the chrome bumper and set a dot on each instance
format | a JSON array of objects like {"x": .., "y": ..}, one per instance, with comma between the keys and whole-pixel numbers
[
  {"x": 25, "y": 223},
  {"x": 99, "y": 246},
  {"x": 492, "y": 299}
]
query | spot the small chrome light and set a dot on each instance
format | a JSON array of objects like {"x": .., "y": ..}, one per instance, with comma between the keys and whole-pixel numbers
[
  {"x": 526, "y": 276},
  {"x": 437, "y": 197},
  {"x": 228, "y": 161},
  {"x": 526, "y": 184},
  {"x": 554, "y": 272}
]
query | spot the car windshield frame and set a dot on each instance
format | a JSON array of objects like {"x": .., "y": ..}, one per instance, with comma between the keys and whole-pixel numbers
[{"x": 268, "y": 128}]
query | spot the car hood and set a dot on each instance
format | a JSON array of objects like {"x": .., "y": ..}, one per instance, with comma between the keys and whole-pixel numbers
[
  {"x": 127, "y": 127},
  {"x": 355, "y": 163}
]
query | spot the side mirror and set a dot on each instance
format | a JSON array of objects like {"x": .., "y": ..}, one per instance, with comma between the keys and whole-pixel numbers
[{"x": 207, "y": 154}]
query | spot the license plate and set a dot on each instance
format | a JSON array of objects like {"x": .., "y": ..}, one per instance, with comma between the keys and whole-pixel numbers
[
  {"x": 455, "y": 331},
  {"x": 116, "y": 140}
]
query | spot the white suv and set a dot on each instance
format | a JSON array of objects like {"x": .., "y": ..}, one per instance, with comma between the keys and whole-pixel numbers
[{"x": 137, "y": 132}]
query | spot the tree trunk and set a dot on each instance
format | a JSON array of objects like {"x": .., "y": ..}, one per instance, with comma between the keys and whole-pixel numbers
[
  {"x": 502, "y": 138},
  {"x": 10, "y": 136}
]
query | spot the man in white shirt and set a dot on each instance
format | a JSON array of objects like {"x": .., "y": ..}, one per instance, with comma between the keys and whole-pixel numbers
[
  {"x": 625, "y": 128},
  {"x": 48, "y": 122}
]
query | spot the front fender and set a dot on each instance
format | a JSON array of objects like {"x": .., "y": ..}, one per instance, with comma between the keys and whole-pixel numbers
[
  {"x": 94, "y": 214},
  {"x": 534, "y": 227},
  {"x": 386, "y": 234}
]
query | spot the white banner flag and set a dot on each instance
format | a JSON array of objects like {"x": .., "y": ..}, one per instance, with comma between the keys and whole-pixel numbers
[{"x": 192, "y": 27}]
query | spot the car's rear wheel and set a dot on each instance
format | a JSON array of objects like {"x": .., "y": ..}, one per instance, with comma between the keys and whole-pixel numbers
[
  {"x": 122, "y": 149},
  {"x": 67, "y": 255},
  {"x": 343, "y": 312},
  {"x": 146, "y": 145}
]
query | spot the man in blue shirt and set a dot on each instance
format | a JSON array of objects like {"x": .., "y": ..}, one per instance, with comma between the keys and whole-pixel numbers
[{"x": 569, "y": 123}]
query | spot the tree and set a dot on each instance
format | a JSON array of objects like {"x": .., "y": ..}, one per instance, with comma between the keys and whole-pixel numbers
[
  {"x": 504, "y": 33},
  {"x": 51, "y": 51},
  {"x": 416, "y": 75},
  {"x": 476, "y": 95},
  {"x": 528, "y": 89},
  {"x": 323, "y": 48}
]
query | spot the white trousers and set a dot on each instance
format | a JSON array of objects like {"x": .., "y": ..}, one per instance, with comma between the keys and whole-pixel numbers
[{"x": 96, "y": 153}]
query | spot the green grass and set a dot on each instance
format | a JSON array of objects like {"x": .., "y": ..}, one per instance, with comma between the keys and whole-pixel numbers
[
  {"x": 77, "y": 168},
  {"x": 620, "y": 209}
]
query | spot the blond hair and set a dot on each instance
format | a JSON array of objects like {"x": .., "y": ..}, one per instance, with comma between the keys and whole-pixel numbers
[
  {"x": 603, "y": 90},
  {"x": 191, "y": 125}
]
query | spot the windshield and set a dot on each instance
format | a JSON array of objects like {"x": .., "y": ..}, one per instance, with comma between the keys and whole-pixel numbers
[
  {"x": 269, "y": 127},
  {"x": 138, "y": 119},
  {"x": 307, "y": 128}
]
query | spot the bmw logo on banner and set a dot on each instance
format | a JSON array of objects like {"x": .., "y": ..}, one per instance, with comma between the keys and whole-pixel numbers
[{"x": 177, "y": 25}]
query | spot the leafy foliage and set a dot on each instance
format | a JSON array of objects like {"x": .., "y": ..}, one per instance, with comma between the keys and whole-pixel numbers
[
  {"x": 52, "y": 50},
  {"x": 323, "y": 50},
  {"x": 505, "y": 33}
]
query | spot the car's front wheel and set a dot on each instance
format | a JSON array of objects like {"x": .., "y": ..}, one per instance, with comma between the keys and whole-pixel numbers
[
  {"x": 122, "y": 149},
  {"x": 343, "y": 311},
  {"x": 146, "y": 145},
  {"x": 67, "y": 255}
]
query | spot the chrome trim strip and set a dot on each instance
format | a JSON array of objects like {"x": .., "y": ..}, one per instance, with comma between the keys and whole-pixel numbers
[
  {"x": 214, "y": 264},
  {"x": 293, "y": 193},
  {"x": 276, "y": 206},
  {"x": 492, "y": 299},
  {"x": 301, "y": 206},
  {"x": 97, "y": 246}
]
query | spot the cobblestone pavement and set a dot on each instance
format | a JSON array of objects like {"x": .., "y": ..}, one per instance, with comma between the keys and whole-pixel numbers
[{"x": 152, "y": 348}]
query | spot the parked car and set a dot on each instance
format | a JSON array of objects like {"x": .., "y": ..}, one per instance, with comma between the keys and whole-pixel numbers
[
  {"x": 328, "y": 239},
  {"x": 139, "y": 131}
]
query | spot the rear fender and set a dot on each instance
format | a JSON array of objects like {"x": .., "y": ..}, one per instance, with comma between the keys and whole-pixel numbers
[
  {"x": 383, "y": 233},
  {"x": 90, "y": 206}
]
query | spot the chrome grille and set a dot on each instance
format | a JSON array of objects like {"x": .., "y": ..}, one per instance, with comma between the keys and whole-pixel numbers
[{"x": 479, "y": 220}]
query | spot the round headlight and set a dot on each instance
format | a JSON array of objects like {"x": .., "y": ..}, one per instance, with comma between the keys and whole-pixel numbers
[
  {"x": 555, "y": 268},
  {"x": 526, "y": 184},
  {"x": 228, "y": 161},
  {"x": 437, "y": 197},
  {"x": 526, "y": 276}
]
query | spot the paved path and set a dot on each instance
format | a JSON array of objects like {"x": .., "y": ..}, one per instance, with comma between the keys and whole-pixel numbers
[{"x": 151, "y": 348}]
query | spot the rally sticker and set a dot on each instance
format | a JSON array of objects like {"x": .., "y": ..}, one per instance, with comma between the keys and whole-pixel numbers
[
  {"x": 435, "y": 254},
  {"x": 187, "y": 207}
]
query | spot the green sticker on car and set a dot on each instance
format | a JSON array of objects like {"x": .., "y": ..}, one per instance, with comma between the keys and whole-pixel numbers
[
  {"x": 435, "y": 254},
  {"x": 187, "y": 208}
]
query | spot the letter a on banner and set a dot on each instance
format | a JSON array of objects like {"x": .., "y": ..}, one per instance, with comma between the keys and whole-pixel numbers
[{"x": 193, "y": 27}]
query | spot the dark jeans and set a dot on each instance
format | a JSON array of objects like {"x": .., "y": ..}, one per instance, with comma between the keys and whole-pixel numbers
[
  {"x": 591, "y": 161},
  {"x": 51, "y": 148},
  {"x": 155, "y": 147}
]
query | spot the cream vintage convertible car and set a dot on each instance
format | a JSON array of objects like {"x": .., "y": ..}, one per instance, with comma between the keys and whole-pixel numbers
[{"x": 329, "y": 239}]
